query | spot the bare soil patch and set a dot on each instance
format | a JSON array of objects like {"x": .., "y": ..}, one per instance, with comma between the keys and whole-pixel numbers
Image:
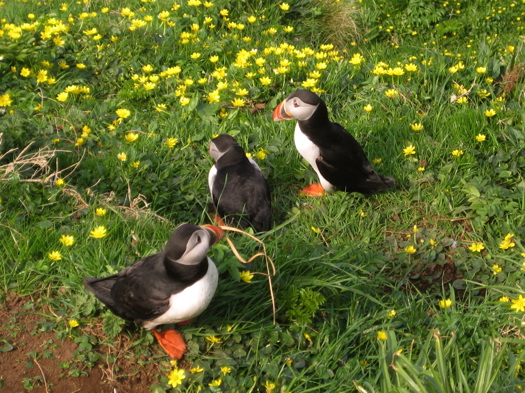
[{"x": 35, "y": 360}]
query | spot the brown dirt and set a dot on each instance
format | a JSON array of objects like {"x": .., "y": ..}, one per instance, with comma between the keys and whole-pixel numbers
[{"x": 20, "y": 340}]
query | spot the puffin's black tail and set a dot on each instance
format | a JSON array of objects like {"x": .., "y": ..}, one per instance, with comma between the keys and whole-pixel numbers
[
  {"x": 377, "y": 183},
  {"x": 101, "y": 287}
]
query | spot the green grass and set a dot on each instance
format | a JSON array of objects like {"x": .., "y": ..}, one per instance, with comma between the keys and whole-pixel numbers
[{"x": 341, "y": 260}]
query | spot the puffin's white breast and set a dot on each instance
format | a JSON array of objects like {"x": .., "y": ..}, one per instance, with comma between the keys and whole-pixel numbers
[
  {"x": 310, "y": 152},
  {"x": 211, "y": 179},
  {"x": 191, "y": 302}
]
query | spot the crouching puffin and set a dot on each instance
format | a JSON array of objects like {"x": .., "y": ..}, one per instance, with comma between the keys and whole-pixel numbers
[
  {"x": 172, "y": 286},
  {"x": 333, "y": 152},
  {"x": 238, "y": 188}
]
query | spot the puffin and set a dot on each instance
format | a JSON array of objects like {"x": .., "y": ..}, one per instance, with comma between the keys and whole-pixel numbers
[
  {"x": 172, "y": 286},
  {"x": 238, "y": 188},
  {"x": 334, "y": 154}
]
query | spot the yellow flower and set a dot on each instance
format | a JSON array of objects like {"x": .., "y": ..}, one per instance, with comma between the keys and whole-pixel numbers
[
  {"x": 445, "y": 303},
  {"x": 60, "y": 182},
  {"x": 357, "y": 59},
  {"x": 213, "y": 96},
  {"x": 481, "y": 70},
  {"x": 123, "y": 113},
  {"x": 25, "y": 72},
  {"x": 41, "y": 76},
  {"x": 483, "y": 93},
  {"x": 148, "y": 67},
  {"x": 490, "y": 112},
  {"x": 73, "y": 323},
  {"x": 381, "y": 335},
  {"x": 226, "y": 370},
  {"x": 481, "y": 137},
  {"x": 307, "y": 337},
  {"x": 67, "y": 240},
  {"x": 98, "y": 232},
  {"x": 462, "y": 100},
  {"x": 216, "y": 382},
  {"x": 284, "y": 6},
  {"x": 496, "y": 269},
  {"x": 171, "y": 142},
  {"x": 377, "y": 160},
  {"x": 476, "y": 247},
  {"x": 214, "y": 59},
  {"x": 176, "y": 376},
  {"x": 269, "y": 386},
  {"x": 411, "y": 67},
  {"x": 391, "y": 93},
  {"x": 410, "y": 149},
  {"x": 410, "y": 249},
  {"x": 5, "y": 100},
  {"x": 518, "y": 304},
  {"x": 246, "y": 276},
  {"x": 421, "y": 169},
  {"x": 196, "y": 370},
  {"x": 252, "y": 19},
  {"x": 55, "y": 255},
  {"x": 457, "y": 153},
  {"x": 261, "y": 154},
  {"x": 184, "y": 101},
  {"x": 432, "y": 242},
  {"x": 416, "y": 126},
  {"x": 504, "y": 299},
  {"x": 510, "y": 48},
  {"x": 391, "y": 313},
  {"x": 507, "y": 242},
  {"x": 265, "y": 80},
  {"x": 131, "y": 137},
  {"x": 238, "y": 102},
  {"x": 214, "y": 339},
  {"x": 81, "y": 66},
  {"x": 100, "y": 211},
  {"x": 122, "y": 156},
  {"x": 368, "y": 108},
  {"x": 62, "y": 96},
  {"x": 135, "y": 164}
]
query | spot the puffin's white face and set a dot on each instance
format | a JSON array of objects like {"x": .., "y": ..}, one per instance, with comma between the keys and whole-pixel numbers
[
  {"x": 215, "y": 152},
  {"x": 196, "y": 248},
  {"x": 298, "y": 109},
  {"x": 189, "y": 243}
]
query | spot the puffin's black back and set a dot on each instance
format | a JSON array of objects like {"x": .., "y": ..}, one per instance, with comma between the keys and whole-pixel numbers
[
  {"x": 240, "y": 191},
  {"x": 141, "y": 291},
  {"x": 342, "y": 161}
]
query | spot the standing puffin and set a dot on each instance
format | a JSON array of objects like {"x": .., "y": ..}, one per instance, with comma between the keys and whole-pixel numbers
[
  {"x": 172, "y": 286},
  {"x": 333, "y": 152},
  {"x": 238, "y": 188}
]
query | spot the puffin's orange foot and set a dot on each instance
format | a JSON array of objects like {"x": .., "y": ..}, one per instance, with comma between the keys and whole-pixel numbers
[
  {"x": 217, "y": 220},
  {"x": 172, "y": 342},
  {"x": 313, "y": 190}
]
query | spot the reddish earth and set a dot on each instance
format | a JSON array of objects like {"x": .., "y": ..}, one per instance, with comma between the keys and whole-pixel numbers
[{"x": 36, "y": 358}]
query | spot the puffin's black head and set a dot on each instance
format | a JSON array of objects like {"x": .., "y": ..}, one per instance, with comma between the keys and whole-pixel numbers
[
  {"x": 223, "y": 144},
  {"x": 300, "y": 105},
  {"x": 189, "y": 243}
]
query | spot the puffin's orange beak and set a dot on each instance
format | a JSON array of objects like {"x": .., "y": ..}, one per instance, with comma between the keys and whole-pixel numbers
[
  {"x": 280, "y": 113},
  {"x": 216, "y": 233}
]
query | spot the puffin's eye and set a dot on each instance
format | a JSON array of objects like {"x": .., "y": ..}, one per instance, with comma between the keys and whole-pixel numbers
[{"x": 295, "y": 104}]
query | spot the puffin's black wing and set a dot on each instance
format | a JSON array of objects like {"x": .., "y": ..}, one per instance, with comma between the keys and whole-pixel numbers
[
  {"x": 242, "y": 196},
  {"x": 139, "y": 292},
  {"x": 344, "y": 164}
]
